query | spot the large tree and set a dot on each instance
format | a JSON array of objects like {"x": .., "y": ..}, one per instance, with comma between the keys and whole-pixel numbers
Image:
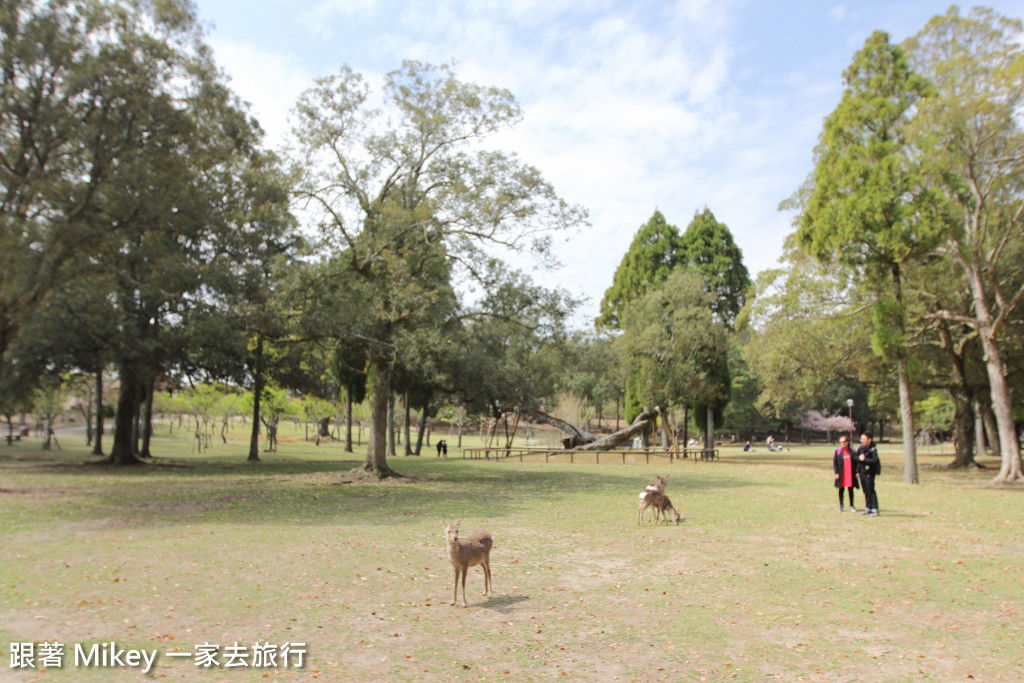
[
  {"x": 508, "y": 354},
  {"x": 975, "y": 148},
  {"x": 390, "y": 183},
  {"x": 656, "y": 250},
  {"x": 677, "y": 351},
  {"x": 864, "y": 205},
  {"x": 708, "y": 247},
  {"x": 82, "y": 89}
]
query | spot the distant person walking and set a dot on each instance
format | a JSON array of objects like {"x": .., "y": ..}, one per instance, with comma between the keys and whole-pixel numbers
[
  {"x": 868, "y": 467},
  {"x": 846, "y": 471}
]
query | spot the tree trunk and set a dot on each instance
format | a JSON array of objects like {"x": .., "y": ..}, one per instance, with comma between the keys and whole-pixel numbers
[
  {"x": 147, "y": 420},
  {"x": 709, "y": 437},
  {"x": 121, "y": 452},
  {"x": 137, "y": 424},
  {"x": 376, "y": 465},
  {"x": 907, "y": 420},
  {"x": 991, "y": 427},
  {"x": 614, "y": 440},
  {"x": 97, "y": 444},
  {"x": 391, "y": 424},
  {"x": 1010, "y": 468},
  {"x": 257, "y": 397},
  {"x": 903, "y": 377},
  {"x": 407, "y": 427},
  {"x": 577, "y": 437},
  {"x": 423, "y": 428},
  {"x": 48, "y": 419},
  {"x": 979, "y": 429},
  {"x": 686, "y": 427},
  {"x": 348, "y": 420},
  {"x": 963, "y": 419}
]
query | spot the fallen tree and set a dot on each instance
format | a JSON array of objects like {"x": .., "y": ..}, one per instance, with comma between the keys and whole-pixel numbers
[
  {"x": 577, "y": 437},
  {"x": 585, "y": 441}
]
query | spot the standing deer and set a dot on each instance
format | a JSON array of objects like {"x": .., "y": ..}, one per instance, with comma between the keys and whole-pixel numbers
[
  {"x": 660, "y": 503},
  {"x": 467, "y": 552},
  {"x": 656, "y": 485}
]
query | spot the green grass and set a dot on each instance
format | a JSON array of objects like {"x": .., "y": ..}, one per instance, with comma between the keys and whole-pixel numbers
[{"x": 762, "y": 580}]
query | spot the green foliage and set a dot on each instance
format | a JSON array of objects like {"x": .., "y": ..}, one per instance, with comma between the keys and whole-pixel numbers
[
  {"x": 708, "y": 247},
  {"x": 593, "y": 370},
  {"x": 808, "y": 330},
  {"x": 656, "y": 250},
  {"x": 677, "y": 352},
  {"x": 509, "y": 354},
  {"x": 888, "y": 320},
  {"x": 867, "y": 201},
  {"x": 936, "y": 411}
]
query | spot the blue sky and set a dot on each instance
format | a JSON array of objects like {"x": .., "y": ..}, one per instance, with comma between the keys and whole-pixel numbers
[{"x": 628, "y": 106}]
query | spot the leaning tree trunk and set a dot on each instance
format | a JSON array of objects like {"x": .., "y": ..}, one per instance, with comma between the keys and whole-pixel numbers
[
  {"x": 577, "y": 437},
  {"x": 1010, "y": 469},
  {"x": 612, "y": 441},
  {"x": 987, "y": 326}
]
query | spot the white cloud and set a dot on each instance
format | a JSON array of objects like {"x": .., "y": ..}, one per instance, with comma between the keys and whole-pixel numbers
[{"x": 269, "y": 82}]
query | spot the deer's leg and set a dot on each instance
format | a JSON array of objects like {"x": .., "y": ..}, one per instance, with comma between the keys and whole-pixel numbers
[
  {"x": 455, "y": 597},
  {"x": 486, "y": 564},
  {"x": 465, "y": 570}
]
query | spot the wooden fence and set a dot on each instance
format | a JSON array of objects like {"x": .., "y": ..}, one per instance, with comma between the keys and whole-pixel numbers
[{"x": 622, "y": 455}]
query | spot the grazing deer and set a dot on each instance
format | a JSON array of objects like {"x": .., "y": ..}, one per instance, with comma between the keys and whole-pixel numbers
[
  {"x": 657, "y": 485},
  {"x": 661, "y": 504},
  {"x": 467, "y": 552}
]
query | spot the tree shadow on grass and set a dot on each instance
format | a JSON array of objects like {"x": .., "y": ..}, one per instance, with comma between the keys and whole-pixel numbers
[{"x": 294, "y": 491}]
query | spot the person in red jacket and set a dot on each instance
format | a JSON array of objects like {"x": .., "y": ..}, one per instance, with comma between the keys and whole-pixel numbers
[{"x": 846, "y": 471}]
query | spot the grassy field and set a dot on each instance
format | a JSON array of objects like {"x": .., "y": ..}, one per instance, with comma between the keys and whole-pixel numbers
[{"x": 762, "y": 580}]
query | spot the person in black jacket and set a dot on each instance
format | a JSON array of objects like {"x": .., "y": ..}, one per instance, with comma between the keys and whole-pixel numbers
[{"x": 868, "y": 466}]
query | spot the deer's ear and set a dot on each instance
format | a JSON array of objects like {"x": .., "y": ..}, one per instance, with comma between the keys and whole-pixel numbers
[
  {"x": 443, "y": 523},
  {"x": 458, "y": 521}
]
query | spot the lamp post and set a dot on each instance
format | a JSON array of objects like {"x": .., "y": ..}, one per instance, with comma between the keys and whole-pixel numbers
[{"x": 849, "y": 404}]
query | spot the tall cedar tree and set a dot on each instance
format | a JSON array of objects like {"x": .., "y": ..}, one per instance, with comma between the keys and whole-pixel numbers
[{"x": 865, "y": 205}]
